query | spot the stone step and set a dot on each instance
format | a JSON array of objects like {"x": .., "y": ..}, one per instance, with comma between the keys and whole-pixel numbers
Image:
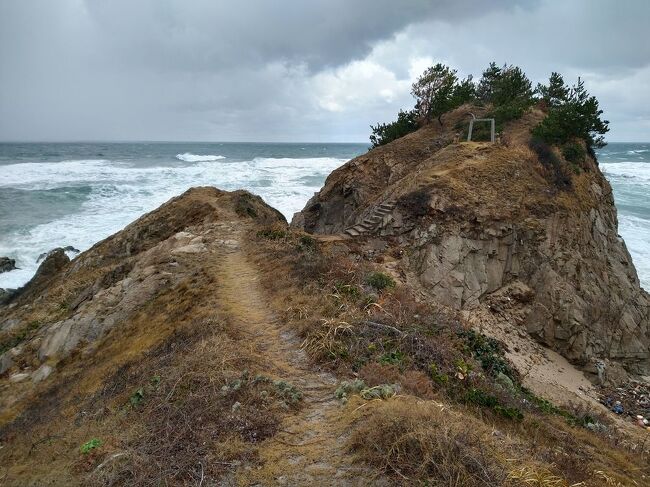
[{"x": 352, "y": 232}]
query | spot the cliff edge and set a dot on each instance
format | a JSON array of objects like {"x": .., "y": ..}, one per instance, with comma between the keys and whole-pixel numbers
[{"x": 509, "y": 230}]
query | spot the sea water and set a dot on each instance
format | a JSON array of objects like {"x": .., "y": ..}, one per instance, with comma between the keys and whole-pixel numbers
[
  {"x": 76, "y": 194},
  {"x": 627, "y": 167}
]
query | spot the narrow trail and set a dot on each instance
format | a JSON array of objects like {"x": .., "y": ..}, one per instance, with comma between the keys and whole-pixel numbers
[{"x": 309, "y": 448}]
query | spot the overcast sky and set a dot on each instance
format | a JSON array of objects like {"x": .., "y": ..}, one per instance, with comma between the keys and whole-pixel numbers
[{"x": 293, "y": 70}]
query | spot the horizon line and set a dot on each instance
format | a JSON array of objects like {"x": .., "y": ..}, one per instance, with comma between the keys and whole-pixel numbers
[{"x": 127, "y": 141}]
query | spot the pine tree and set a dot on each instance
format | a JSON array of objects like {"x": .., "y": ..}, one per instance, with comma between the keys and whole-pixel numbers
[
  {"x": 383, "y": 133},
  {"x": 433, "y": 92},
  {"x": 556, "y": 92},
  {"x": 578, "y": 117}
]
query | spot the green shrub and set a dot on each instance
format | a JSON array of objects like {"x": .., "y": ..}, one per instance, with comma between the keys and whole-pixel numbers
[
  {"x": 436, "y": 376},
  {"x": 547, "y": 157},
  {"x": 90, "y": 445},
  {"x": 575, "y": 154},
  {"x": 488, "y": 352},
  {"x": 137, "y": 397},
  {"x": 306, "y": 243},
  {"x": 485, "y": 400},
  {"x": 272, "y": 234},
  {"x": 481, "y": 398},
  {"x": 394, "y": 357},
  {"x": 383, "y": 133},
  {"x": 380, "y": 281},
  {"x": 348, "y": 290},
  {"x": 577, "y": 116},
  {"x": 348, "y": 388}
]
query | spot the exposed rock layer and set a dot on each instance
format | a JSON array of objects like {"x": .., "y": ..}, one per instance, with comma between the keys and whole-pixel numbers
[{"x": 472, "y": 219}]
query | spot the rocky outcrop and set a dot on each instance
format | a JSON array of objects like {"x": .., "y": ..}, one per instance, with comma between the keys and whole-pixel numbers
[
  {"x": 69, "y": 307},
  {"x": 7, "y": 264},
  {"x": 476, "y": 219}
]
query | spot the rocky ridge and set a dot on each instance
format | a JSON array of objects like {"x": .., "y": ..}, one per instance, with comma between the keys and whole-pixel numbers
[{"x": 473, "y": 221}]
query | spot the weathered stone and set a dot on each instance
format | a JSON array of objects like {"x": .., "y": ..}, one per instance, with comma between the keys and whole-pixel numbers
[
  {"x": 7, "y": 264},
  {"x": 42, "y": 373},
  {"x": 50, "y": 267},
  {"x": 19, "y": 377},
  {"x": 6, "y": 362},
  {"x": 6, "y": 295}
]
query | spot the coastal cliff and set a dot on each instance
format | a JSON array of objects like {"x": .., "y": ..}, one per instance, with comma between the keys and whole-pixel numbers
[
  {"x": 477, "y": 222},
  {"x": 209, "y": 342}
]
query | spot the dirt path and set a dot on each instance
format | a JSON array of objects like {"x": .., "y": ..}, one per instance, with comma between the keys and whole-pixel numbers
[{"x": 309, "y": 448}]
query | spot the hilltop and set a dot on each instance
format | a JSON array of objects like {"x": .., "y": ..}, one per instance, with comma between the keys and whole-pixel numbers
[{"x": 498, "y": 230}]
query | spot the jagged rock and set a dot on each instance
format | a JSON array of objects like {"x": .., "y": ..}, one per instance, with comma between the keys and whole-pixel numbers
[
  {"x": 42, "y": 373},
  {"x": 6, "y": 362},
  {"x": 68, "y": 248},
  {"x": 50, "y": 267},
  {"x": 7, "y": 264},
  {"x": 6, "y": 295},
  {"x": 478, "y": 218}
]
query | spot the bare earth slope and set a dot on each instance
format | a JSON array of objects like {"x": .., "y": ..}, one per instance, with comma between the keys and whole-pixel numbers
[{"x": 493, "y": 230}]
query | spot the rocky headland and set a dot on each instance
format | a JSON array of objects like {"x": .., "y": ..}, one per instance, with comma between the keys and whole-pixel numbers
[
  {"x": 491, "y": 228},
  {"x": 430, "y": 314}
]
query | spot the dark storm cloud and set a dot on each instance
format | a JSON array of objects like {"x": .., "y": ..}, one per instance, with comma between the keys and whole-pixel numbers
[
  {"x": 287, "y": 69},
  {"x": 208, "y": 34}
]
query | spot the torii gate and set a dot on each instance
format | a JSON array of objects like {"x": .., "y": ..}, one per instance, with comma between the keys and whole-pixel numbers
[{"x": 471, "y": 127}]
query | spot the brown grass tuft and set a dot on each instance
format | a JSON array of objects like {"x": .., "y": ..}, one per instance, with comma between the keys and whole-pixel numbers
[{"x": 422, "y": 442}]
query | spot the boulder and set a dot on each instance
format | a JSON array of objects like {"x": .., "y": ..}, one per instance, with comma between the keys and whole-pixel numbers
[
  {"x": 7, "y": 264},
  {"x": 54, "y": 261},
  {"x": 6, "y": 295}
]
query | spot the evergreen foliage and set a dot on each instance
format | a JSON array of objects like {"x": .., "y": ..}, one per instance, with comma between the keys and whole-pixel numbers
[
  {"x": 383, "y": 133},
  {"x": 508, "y": 90},
  {"x": 556, "y": 93},
  {"x": 433, "y": 92},
  {"x": 576, "y": 117},
  {"x": 572, "y": 113}
]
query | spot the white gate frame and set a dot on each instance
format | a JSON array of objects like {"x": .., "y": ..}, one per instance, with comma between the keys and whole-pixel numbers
[{"x": 471, "y": 127}]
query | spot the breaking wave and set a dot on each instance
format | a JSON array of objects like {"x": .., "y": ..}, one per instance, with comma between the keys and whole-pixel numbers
[{"x": 187, "y": 157}]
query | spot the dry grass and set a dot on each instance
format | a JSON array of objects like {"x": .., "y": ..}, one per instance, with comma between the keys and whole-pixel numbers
[
  {"x": 395, "y": 340},
  {"x": 422, "y": 442}
]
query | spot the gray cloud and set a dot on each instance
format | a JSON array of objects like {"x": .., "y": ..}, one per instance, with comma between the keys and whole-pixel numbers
[{"x": 290, "y": 70}]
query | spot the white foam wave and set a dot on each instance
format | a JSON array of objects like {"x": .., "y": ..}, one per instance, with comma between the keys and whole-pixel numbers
[
  {"x": 188, "y": 157},
  {"x": 123, "y": 192},
  {"x": 636, "y": 233},
  {"x": 640, "y": 171}
]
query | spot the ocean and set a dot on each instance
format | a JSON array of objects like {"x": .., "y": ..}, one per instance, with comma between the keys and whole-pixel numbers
[{"x": 75, "y": 194}]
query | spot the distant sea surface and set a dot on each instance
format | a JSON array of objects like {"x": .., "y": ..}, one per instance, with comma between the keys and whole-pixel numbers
[{"x": 60, "y": 194}]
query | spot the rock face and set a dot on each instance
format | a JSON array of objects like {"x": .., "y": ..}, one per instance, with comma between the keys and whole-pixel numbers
[
  {"x": 7, "y": 264},
  {"x": 473, "y": 220}
]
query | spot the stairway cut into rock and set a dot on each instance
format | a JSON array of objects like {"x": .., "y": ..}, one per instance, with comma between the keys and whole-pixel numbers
[{"x": 372, "y": 221}]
